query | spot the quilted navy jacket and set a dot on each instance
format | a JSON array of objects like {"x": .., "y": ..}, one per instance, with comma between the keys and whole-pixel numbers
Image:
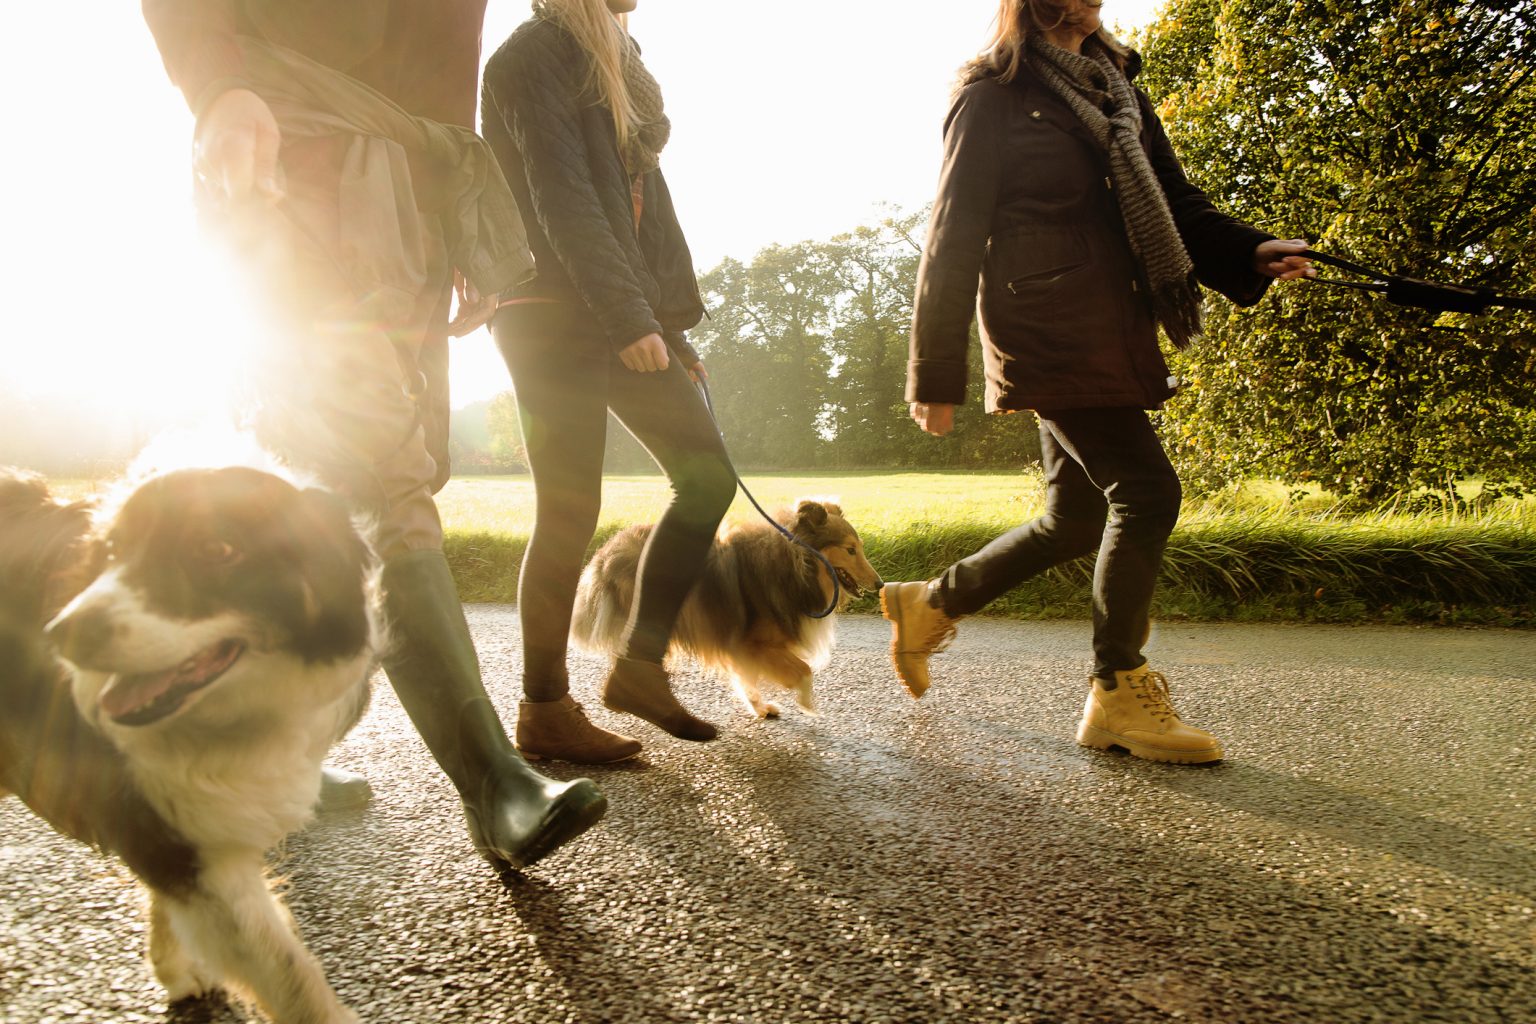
[{"x": 559, "y": 150}]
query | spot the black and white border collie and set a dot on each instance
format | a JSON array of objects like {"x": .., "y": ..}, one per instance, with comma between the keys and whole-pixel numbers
[{"x": 172, "y": 672}]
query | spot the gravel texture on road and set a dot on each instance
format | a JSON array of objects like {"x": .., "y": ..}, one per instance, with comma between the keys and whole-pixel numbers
[{"x": 1366, "y": 853}]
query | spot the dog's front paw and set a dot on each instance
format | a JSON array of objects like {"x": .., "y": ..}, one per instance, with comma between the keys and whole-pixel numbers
[
  {"x": 183, "y": 981},
  {"x": 179, "y": 974},
  {"x": 767, "y": 709}
]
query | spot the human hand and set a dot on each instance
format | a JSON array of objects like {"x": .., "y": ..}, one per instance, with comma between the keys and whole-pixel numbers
[
  {"x": 475, "y": 310},
  {"x": 1281, "y": 259},
  {"x": 937, "y": 418},
  {"x": 697, "y": 374},
  {"x": 647, "y": 355},
  {"x": 236, "y": 146}
]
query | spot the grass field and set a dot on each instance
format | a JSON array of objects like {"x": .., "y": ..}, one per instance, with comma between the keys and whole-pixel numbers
[{"x": 1260, "y": 554}]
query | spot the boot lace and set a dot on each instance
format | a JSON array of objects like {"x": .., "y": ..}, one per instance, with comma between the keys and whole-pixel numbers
[
  {"x": 1152, "y": 689},
  {"x": 941, "y": 635}
]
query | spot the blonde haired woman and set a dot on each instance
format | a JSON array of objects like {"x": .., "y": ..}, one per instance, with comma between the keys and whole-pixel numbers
[
  {"x": 1062, "y": 198},
  {"x": 578, "y": 125}
]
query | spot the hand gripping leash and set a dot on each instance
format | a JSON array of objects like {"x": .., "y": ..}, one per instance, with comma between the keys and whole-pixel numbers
[
  {"x": 1416, "y": 293},
  {"x": 831, "y": 571}
]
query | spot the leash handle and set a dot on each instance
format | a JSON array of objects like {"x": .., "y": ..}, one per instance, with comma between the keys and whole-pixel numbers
[
  {"x": 709, "y": 405},
  {"x": 1342, "y": 264},
  {"x": 1416, "y": 293}
]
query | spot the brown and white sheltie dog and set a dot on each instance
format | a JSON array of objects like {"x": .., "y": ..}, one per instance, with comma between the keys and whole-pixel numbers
[
  {"x": 751, "y": 614},
  {"x": 206, "y": 642}
]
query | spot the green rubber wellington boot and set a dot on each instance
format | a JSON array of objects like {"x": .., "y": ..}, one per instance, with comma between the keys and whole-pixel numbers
[{"x": 516, "y": 816}]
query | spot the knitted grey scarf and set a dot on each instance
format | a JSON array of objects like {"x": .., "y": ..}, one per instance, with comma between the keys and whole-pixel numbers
[
  {"x": 649, "y": 134},
  {"x": 1101, "y": 96}
]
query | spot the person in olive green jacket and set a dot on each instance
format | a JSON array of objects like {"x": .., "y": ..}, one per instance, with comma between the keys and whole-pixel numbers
[
  {"x": 333, "y": 144},
  {"x": 1062, "y": 198}
]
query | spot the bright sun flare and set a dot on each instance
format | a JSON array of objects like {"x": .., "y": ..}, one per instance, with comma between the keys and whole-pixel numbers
[{"x": 142, "y": 316}]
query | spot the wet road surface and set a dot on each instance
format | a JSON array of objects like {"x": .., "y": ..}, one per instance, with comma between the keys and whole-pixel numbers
[{"x": 1366, "y": 853}]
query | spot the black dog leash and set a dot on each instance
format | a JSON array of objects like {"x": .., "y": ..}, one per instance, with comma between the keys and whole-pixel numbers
[
  {"x": 831, "y": 570},
  {"x": 1416, "y": 293}
]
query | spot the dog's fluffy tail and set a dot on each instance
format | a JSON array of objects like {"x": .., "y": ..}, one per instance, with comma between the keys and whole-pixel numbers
[
  {"x": 607, "y": 591},
  {"x": 44, "y": 556}
]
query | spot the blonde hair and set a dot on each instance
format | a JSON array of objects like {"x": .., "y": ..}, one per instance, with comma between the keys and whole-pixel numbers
[
  {"x": 604, "y": 37},
  {"x": 1015, "y": 22}
]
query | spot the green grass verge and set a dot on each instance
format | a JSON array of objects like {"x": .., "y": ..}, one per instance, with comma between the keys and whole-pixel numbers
[{"x": 1257, "y": 555}]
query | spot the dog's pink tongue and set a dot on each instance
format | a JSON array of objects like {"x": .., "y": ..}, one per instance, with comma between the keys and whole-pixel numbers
[{"x": 127, "y": 694}]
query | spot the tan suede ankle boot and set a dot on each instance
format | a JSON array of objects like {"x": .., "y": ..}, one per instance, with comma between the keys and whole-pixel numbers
[
  {"x": 643, "y": 689},
  {"x": 558, "y": 730},
  {"x": 1138, "y": 716},
  {"x": 919, "y": 630}
]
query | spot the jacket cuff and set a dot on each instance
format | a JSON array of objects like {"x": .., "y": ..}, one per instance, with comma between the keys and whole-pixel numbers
[
  {"x": 204, "y": 97},
  {"x": 936, "y": 380},
  {"x": 1237, "y": 280},
  {"x": 502, "y": 277},
  {"x": 677, "y": 341},
  {"x": 624, "y": 335}
]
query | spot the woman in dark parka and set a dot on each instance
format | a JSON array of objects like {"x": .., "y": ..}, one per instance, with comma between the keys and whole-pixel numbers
[
  {"x": 577, "y": 124},
  {"x": 1061, "y": 195}
]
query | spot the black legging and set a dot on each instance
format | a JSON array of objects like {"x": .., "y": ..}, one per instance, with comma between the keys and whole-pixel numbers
[
  {"x": 1109, "y": 488},
  {"x": 567, "y": 376}
]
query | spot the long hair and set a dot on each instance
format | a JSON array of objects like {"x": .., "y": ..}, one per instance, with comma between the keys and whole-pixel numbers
[
  {"x": 604, "y": 38},
  {"x": 1015, "y": 22}
]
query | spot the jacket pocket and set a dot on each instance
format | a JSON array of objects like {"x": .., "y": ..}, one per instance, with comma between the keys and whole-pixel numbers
[
  {"x": 1043, "y": 279},
  {"x": 1036, "y": 265},
  {"x": 1051, "y": 293}
]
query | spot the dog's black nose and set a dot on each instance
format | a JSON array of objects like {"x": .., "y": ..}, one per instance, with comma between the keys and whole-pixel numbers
[{"x": 81, "y": 634}]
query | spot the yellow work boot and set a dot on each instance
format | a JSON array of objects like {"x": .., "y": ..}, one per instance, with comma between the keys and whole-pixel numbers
[
  {"x": 919, "y": 629},
  {"x": 1138, "y": 716}
]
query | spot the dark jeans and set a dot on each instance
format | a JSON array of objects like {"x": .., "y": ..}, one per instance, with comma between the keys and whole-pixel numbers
[
  {"x": 1097, "y": 463},
  {"x": 567, "y": 376}
]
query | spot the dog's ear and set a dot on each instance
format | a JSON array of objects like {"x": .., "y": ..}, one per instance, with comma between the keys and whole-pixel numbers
[
  {"x": 833, "y": 508},
  {"x": 810, "y": 515},
  {"x": 334, "y": 565}
]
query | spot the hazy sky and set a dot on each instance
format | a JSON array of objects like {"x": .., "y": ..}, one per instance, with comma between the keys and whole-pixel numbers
[{"x": 792, "y": 119}]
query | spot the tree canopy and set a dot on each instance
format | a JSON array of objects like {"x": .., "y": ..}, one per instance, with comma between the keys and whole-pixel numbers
[
  {"x": 807, "y": 354},
  {"x": 1397, "y": 133}
]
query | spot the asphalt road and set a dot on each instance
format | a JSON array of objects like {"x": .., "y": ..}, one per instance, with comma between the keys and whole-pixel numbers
[{"x": 1366, "y": 853}]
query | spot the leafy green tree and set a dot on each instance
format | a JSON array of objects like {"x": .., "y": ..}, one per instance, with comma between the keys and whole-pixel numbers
[
  {"x": 504, "y": 435},
  {"x": 807, "y": 354},
  {"x": 770, "y": 338},
  {"x": 865, "y": 412},
  {"x": 1394, "y": 132}
]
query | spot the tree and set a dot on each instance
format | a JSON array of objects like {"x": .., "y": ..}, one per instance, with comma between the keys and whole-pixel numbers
[
  {"x": 1395, "y": 132},
  {"x": 807, "y": 354},
  {"x": 769, "y": 339},
  {"x": 866, "y": 414},
  {"x": 504, "y": 432}
]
